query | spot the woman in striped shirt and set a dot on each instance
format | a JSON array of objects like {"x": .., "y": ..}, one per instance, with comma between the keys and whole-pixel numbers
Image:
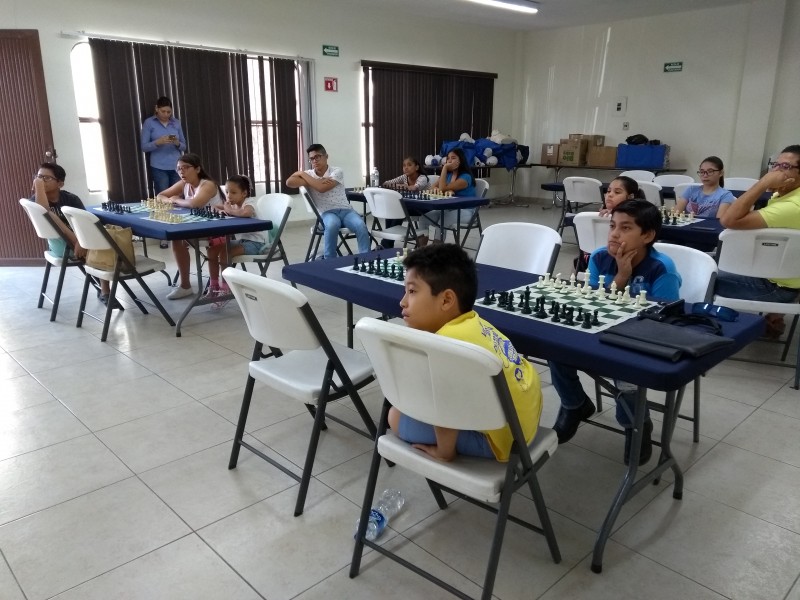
[{"x": 412, "y": 178}]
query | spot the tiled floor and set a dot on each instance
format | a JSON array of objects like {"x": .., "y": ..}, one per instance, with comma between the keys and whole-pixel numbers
[{"x": 114, "y": 479}]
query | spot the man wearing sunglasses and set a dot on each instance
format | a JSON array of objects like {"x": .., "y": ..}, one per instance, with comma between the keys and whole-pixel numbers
[
  {"x": 782, "y": 210},
  {"x": 326, "y": 186}
]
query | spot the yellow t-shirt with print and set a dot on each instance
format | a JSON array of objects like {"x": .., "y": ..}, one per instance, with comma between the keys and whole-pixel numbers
[
  {"x": 783, "y": 211},
  {"x": 523, "y": 381}
]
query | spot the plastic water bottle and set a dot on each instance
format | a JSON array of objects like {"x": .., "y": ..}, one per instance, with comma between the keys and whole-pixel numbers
[
  {"x": 388, "y": 505},
  {"x": 374, "y": 178}
]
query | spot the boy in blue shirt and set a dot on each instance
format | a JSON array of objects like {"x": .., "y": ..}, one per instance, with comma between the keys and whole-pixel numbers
[{"x": 628, "y": 260}]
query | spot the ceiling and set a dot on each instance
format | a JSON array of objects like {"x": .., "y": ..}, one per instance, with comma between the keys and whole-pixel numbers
[{"x": 552, "y": 13}]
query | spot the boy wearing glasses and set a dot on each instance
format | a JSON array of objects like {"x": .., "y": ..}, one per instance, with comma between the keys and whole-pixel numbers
[
  {"x": 326, "y": 186},
  {"x": 782, "y": 210}
]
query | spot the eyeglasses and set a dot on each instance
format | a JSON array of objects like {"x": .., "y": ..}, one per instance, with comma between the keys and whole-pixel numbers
[
  {"x": 180, "y": 168},
  {"x": 46, "y": 178},
  {"x": 783, "y": 166},
  {"x": 708, "y": 171},
  {"x": 723, "y": 313},
  {"x": 315, "y": 158}
]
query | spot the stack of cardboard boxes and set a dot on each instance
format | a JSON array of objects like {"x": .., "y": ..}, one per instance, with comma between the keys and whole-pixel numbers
[{"x": 580, "y": 150}]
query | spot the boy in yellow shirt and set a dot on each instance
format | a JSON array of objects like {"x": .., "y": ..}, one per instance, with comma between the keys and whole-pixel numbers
[{"x": 441, "y": 285}]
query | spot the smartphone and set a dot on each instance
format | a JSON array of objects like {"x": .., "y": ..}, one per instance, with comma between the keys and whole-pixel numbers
[{"x": 173, "y": 137}]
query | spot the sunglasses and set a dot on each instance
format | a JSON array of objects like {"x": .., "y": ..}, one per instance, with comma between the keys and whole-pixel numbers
[{"x": 723, "y": 313}]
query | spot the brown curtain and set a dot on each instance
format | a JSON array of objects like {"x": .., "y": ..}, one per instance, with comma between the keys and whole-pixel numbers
[
  {"x": 287, "y": 131},
  {"x": 210, "y": 95},
  {"x": 415, "y": 109}
]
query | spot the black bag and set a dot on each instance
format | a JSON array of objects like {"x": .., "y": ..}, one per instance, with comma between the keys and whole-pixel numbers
[
  {"x": 636, "y": 139},
  {"x": 666, "y": 338}
]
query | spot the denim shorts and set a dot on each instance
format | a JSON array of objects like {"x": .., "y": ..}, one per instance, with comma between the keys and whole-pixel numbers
[
  {"x": 250, "y": 246},
  {"x": 469, "y": 443}
]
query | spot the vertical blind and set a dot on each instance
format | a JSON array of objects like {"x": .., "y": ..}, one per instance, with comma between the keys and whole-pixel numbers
[{"x": 411, "y": 110}]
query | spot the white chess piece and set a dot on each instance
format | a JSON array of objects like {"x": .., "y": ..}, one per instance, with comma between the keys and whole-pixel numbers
[
  {"x": 540, "y": 283},
  {"x": 619, "y": 299},
  {"x": 642, "y": 301},
  {"x": 614, "y": 288},
  {"x": 572, "y": 280},
  {"x": 627, "y": 293}
]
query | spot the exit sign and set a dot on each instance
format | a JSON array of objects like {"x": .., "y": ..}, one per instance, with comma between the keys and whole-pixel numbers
[
  {"x": 328, "y": 50},
  {"x": 673, "y": 67}
]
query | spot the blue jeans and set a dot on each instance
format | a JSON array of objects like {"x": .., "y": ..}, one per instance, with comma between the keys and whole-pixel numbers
[
  {"x": 752, "y": 288},
  {"x": 468, "y": 443},
  {"x": 570, "y": 391},
  {"x": 343, "y": 217},
  {"x": 162, "y": 179}
]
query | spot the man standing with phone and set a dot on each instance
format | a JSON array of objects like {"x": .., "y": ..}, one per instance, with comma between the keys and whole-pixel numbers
[{"x": 162, "y": 138}]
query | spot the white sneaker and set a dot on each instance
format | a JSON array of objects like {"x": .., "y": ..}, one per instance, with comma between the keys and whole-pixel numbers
[{"x": 179, "y": 293}]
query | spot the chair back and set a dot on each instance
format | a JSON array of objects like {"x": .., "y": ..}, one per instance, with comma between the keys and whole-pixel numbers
[
  {"x": 591, "y": 230},
  {"x": 681, "y": 188},
  {"x": 639, "y": 175},
  {"x": 433, "y": 378},
  {"x": 385, "y": 204},
  {"x": 276, "y": 314},
  {"x": 583, "y": 190},
  {"x": 652, "y": 192},
  {"x": 41, "y": 220},
  {"x": 275, "y": 208},
  {"x": 87, "y": 228},
  {"x": 672, "y": 180},
  {"x": 697, "y": 269},
  {"x": 769, "y": 253},
  {"x": 527, "y": 247},
  {"x": 481, "y": 188},
  {"x": 309, "y": 202},
  {"x": 739, "y": 184}
]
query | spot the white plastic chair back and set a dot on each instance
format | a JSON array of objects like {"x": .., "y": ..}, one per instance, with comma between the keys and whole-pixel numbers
[
  {"x": 652, "y": 192},
  {"x": 697, "y": 270},
  {"x": 672, "y": 180},
  {"x": 84, "y": 224},
  {"x": 385, "y": 204},
  {"x": 433, "y": 395},
  {"x": 770, "y": 253},
  {"x": 271, "y": 207},
  {"x": 312, "y": 208},
  {"x": 681, "y": 188},
  {"x": 38, "y": 217},
  {"x": 272, "y": 311},
  {"x": 591, "y": 230},
  {"x": 481, "y": 188},
  {"x": 583, "y": 190},
  {"x": 639, "y": 175},
  {"x": 535, "y": 247},
  {"x": 739, "y": 183}
]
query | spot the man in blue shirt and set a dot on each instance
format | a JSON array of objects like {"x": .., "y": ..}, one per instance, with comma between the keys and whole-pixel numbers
[{"x": 628, "y": 260}]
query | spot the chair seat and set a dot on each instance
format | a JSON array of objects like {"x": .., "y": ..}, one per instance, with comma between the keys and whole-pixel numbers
[
  {"x": 54, "y": 259},
  {"x": 788, "y": 308},
  {"x": 479, "y": 478},
  {"x": 397, "y": 233},
  {"x": 299, "y": 373},
  {"x": 144, "y": 266}
]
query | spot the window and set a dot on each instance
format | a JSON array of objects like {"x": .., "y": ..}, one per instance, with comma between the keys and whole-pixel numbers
[{"x": 89, "y": 117}]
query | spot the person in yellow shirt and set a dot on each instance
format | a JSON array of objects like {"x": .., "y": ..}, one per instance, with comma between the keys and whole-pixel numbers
[{"x": 441, "y": 285}]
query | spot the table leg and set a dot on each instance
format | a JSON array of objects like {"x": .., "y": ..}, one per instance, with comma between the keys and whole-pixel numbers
[
  {"x": 196, "y": 300},
  {"x": 350, "y": 325}
]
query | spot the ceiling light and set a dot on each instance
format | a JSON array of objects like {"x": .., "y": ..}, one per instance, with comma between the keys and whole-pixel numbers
[{"x": 523, "y": 6}]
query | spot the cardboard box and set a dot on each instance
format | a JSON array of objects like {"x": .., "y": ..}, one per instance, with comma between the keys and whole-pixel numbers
[
  {"x": 549, "y": 154},
  {"x": 573, "y": 153},
  {"x": 601, "y": 156},
  {"x": 593, "y": 139}
]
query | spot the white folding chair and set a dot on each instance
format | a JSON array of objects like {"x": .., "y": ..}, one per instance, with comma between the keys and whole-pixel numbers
[
  {"x": 739, "y": 184},
  {"x": 592, "y": 232},
  {"x": 639, "y": 175},
  {"x": 460, "y": 386},
  {"x": 578, "y": 192},
  {"x": 698, "y": 272},
  {"x": 652, "y": 192},
  {"x": 771, "y": 253},
  {"x": 481, "y": 189},
  {"x": 671, "y": 180},
  {"x": 318, "y": 230},
  {"x": 305, "y": 365},
  {"x": 275, "y": 208},
  {"x": 535, "y": 247},
  {"x": 92, "y": 235},
  {"x": 42, "y": 221},
  {"x": 386, "y": 204}
]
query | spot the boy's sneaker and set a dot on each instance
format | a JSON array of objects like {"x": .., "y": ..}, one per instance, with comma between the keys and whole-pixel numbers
[{"x": 180, "y": 292}]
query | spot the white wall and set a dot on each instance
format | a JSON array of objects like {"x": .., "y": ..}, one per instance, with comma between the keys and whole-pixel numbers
[
  {"x": 721, "y": 103},
  {"x": 284, "y": 27}
]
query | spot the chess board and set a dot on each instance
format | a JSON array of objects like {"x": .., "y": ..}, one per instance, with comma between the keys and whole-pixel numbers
[
  {"x": 389, "y": 269},
  {"x": 129, "y": 208},
  {"x": 683, "y": 223},
  {"x": 608, "y": 312}
]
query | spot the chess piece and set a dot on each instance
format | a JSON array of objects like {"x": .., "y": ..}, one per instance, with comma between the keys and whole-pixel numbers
[
  {"x": 601, "y": 282},
  {"x": 570, "y": 316},
  {"x": 595, "y": 320},
  {"x": 627, "y": 294},
  {"x": 540, "y": 283},
  {"x": 540, "y": 313},
  {"x": 614, "y": 288},
  {"x": 510, "y": 302},
  {"x": 355, "y": 263},
  {"x": 487, "y": 297},
  {"x": 587, "y": 322},
  {"x": 642, "y": 300}
]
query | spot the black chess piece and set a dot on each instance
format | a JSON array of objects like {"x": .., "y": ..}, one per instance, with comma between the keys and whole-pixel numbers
[
  {"x": 400, "y": 275},
  {"x": 494, "y": 297},
  {"x": 540, "y": 313},
  {"x": 570, "y": 316},
  {"x": 666, "y": 219},
  {"x": 355, "y": 263},
  {"x": 487, "y": 298},
  {"x": 510, "y": 303},
  {"x": 579, "y": 316},
  {"x": 595, "y": 320},
  {"x": 555, "y": 318},
  {"x": 393, "y": 273},
  {"x": 501, "y": 303},
  {"x": 371, "y": 267},
  {"x": 674, "y": 220},
  {"x": 587, "y": 322},
  {"x": 385, "y": 267},
  {"x": 363, "y": 268},
  {"x": 553, "y": 307}
]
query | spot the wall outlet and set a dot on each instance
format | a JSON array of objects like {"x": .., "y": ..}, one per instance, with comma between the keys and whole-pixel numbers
[{"x": 625, "y": 126}]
